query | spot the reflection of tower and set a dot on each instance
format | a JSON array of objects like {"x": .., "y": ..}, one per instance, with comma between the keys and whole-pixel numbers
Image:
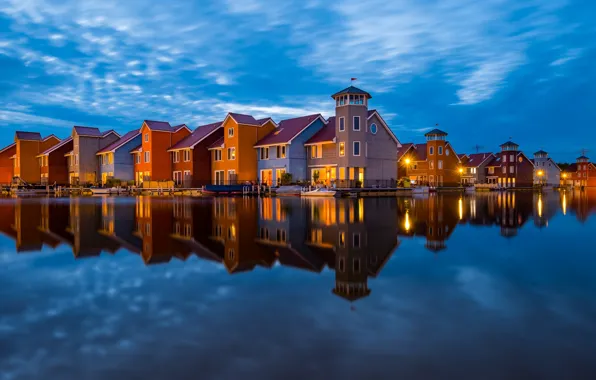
[{"x": 351, "y": 269}]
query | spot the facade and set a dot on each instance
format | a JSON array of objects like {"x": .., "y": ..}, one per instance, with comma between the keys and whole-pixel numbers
[
  {"x": 582, "y": 173},
  {"x": 191, "y": 160},
  {"x": 233, "y": 157},
  {"x": 83, "y": 166},
  {"x": 115, "y": 160},
  {"x": 54, "y": 164},
  {"x": 434, "y": 163},
  {"x": 7, "y": 163},
  {"x": 546, "y": 172},
  {"x": 152, "y": 159},
  {"x": 282, "y": 150},
  {"x": 474, "y": 168},
  {"x": 356, "y": 147},
  {"x": 28, "y": 146},
  {"x": 517, "y": 170}
]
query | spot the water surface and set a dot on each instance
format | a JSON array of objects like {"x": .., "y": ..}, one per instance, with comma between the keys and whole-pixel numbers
[{"x": 486, "y": 286}]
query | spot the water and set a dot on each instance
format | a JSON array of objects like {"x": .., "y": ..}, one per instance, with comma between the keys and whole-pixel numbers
[{"x": 492, "y": 286}]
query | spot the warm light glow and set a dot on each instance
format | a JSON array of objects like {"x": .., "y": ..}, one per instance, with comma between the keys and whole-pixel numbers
[
  {"x": 540, "y": 206},
  {"x": 407, "y": 225},
  {"x": 540, "y": 173},
  {"x": 460, "y": 206},
  {"x": 461, "y": 170},
  {"x": 564, "y": 175},
  {"x": 565, "y": 203}
]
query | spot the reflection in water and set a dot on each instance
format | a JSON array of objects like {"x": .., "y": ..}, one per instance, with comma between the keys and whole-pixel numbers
[{"x": 352, "y": 237}]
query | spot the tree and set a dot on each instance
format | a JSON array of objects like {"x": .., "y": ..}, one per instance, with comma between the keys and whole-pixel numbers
[
  {"x": 315, "y": 176},
  {"x": 286, "y": 179}
]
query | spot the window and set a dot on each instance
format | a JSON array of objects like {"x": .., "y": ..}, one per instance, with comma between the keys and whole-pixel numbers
[
  {"x": 264, "y": 153},
  {"x": 76, "y": 159},
  {"x": 186, "y": 174},
  {"x": 342, "y": 239},
  {"x": 230, "y": 132},
  {"x": 511, "y": 158},
  {"x": 431, "y": 165},
  {"x": 217, "y": 155},
  {"x": 356, "y": 240},
  {"x": 512, "y": 169},
  {"x": 342, "y": 124},
  {"x": 431, "y": 150},
  {"x": 231, "y": 153},
  {"x": 356, "y": 265},
  {"x": 281, "y": 151},
  {"x": 138, "y": 158},
  {"x": 440, "y": 165},
  {"x": 342, "y": 149},
  {"x": 147, "y": 156},
  {"x": 440, "y": 150},
  {"x": 342, "y": 264},
  {"x": 281, "y": 236},
  {"x": 373, "y": 129},
  {"x": 176, "y": 156},
  {"x": 356, "y": 150},
  {"x": 313, "y": 151},
  {"x": 146, "y": 137},
  {"x": 504, "y": 158},
  {"x": 504, "y": 170},
  {"x": 356, "y": 123},
  {"x": 447, "y": 152},
  {"x": 186, "y": 155}
]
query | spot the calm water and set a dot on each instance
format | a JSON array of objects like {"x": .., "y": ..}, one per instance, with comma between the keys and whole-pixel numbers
[{"x": 492, "y": 286}]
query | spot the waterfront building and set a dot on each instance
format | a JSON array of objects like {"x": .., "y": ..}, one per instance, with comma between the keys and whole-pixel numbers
[
  {"x": 581, "y": 173},
  {"x": 7, "y": 163},
  {"x": 434, "y": 163},
  {"x": 546, "y": 170},
  {"x": 233, "y": 156},
  {"x": 191, "y": 160},
  {"x": 282, "y": 151},
  {"x": 115, "y": 160},
  {"x": 152, "y": 159},
  {"x": 28, "y": 146},
  {"x": 83, "y": 166},
  {"x": 517, "y": 170},
  {"x": 54, "y": 163},
  {"x": 474, "y": 168}
]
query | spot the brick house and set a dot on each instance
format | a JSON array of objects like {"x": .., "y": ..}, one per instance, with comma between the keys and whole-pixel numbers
[
  {"x": 28, "y": 146},
  {"x": 191, "y": 160},
  {"x": 54, "y": 164}
]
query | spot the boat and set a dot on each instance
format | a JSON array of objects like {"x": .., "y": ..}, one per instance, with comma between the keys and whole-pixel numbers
[
  {"x": 320, "y": 192},
  {"x": 470, "y": 189},
  {"x": 105, "y": 191},
  {"x": 421, "y": 190},
  {"x": 288, "y": 190}
]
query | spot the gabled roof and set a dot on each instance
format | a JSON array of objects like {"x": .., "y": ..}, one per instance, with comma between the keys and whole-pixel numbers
[
  {"x": 583, "y": 158},
  {"x": 8, "y": 147},
  {"x": 217, "y": 145},
  {"x": 421, "y": 151},
  {"x": 29, "y": 136},
  {"x": 120, "y": 142},
  {"x": 495, "y": 162},
  {"x": 288, "y": 129},
  {"x": 52, "y": 136},
  {"x": 527, "y": 158},
  {"x": 196, "y": 137},
  {"x": 138, "y": 149},
  {"x": 403, "y": 150},
  {"x": 87, "y": 131},
  {"x": 462, "y": 156},
  {"x": 435, "y": 132},
  {"x": 109, "y": 132},
  {"x": 247, "y": 119},
  {"x": 540, "y": 152},
  {"x": 325, "y": 134},
  {"x": 477, "y": 159},
  {"x": 179, "y": 127},
  {"x": 571, "y": 168},
  {"x": 57, "y": 146},
  {"x": 158, "y": 125},
  {"x": 509, "y": 143},
  {"x": 352, "y": 91},
  {"x": 372, "y": 113}
]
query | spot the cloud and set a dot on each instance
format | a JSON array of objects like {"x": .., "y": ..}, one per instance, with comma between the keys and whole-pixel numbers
[
  {"x": 8, "y": 117},
  {"x": 570, "y": 55}
]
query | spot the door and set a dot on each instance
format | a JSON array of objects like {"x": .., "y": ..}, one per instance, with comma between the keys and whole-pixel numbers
[
  {"x": 278, "y": 175},
  {"x": 177, "y": 178},
  {"x": 232, "y": 177},
  {"x": 266, "y": 177},
  {"x": 219, "y": 177},
  {"x": 104, "y": 178}
]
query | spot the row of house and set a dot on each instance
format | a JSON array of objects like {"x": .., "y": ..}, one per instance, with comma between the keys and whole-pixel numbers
[{"x": 355, "y": 147}]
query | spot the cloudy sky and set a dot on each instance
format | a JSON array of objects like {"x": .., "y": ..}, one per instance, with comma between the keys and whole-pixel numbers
[{"x": 484, "y": 70}]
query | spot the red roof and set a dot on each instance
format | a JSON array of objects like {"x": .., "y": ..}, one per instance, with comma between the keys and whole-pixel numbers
[
  {"x": 421, "y": 151},
  {"x": 287, "y": 130},
  {"x": 248, "y": 119},
  {"x": 33, "y": 136},
  {"x": 218, "y": 144},
  {"x": 8, "y": 147},
  {"x": 496, "y": 162},
  {"x": 59, "y": 145},
  {"x": 325, "y": 134},
  {"x": 197, "y": 136},
  {"x": 87, "y": 131},
  {"x": 404, "y": 148},
  {"x": 158, "y": 125},
  {"x": 118, "y": 143},
  {"x": 138, "y": 149},
  {"x": 476, "y": 159}
]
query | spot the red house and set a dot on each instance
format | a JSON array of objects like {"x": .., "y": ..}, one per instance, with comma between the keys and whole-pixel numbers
[
  {"x": 7, "y": 163},
  {"x": 190, "y": 157},
  {"x": 511, "y": 167},
  {"x": 54, "y": 164},
  {"x": 582, "y": 173}
]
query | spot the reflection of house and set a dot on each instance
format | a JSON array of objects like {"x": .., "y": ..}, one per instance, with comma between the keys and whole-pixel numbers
[
  {"x": 115, "y": 160},
  {"x": 28, "y": 217},
  {"x": 7, "y": 163},
  {"x": 282, "y": 151},
  {"x": 82, "y": 161},
  {"x": 28, "y": 146},
  {"x": 233, "y": 157},
  {"x": 356, "y": 145},
  {"x": 582, "y": 203},
  {"x": 191, "y": 161},
  {"x": 54, "y": 164},
  {"x": 434, "y": 163}
]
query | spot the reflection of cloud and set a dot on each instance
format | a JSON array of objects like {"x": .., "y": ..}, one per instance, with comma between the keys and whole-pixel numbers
[{"x": 481, "y": 287}]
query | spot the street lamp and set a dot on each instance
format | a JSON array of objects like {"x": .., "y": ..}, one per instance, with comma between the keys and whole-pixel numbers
[
  {"x": 540, "y": 175},
  {"x": 461, "y": 172}
]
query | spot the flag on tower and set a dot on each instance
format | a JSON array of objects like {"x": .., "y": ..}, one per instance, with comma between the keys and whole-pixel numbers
[{"x": 353, "y": 79}]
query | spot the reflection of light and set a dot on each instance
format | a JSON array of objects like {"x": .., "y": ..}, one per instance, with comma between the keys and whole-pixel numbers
[
  {"x": 407, "y": 222},
  {"x": 460, "y": 205},
  {"x": 540, "y": 206},
  {"x": 565, "y": 203}
]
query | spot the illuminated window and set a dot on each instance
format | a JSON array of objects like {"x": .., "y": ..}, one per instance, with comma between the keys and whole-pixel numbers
[
  {"x": 281, "y": 151},
  {"x": 342, "y": 239},
  {"x": 342, "y": 149},
  {"x": 231, "y": 153},
  {"x": 230, "y": 132}
]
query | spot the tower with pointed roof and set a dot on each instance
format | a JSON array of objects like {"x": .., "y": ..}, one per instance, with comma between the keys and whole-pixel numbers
[
  {"x": 546, "y": 171},
  {"x": 516, "y": 169}
]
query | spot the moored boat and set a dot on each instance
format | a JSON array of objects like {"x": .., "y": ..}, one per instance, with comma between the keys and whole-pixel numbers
[{"x": 320, "y": 192}]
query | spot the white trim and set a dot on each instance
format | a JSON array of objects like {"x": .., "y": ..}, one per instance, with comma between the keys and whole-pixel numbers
[
  {"x": 359, "y": 148},
  {"x": 296, "y": 135},
  {"x": 522, "y": 153},
  {"x": 339, "y": 124},
  {"x": 55, "y": 147},
  {"x": 384, "y": 124},
  {"x": 359, "y": 124},
  {"x": 322, "y": 142},
  {"x": 195, "y": 144},
  {"x": 120, "y": 145},
  {"x": 321, "y": 166}
]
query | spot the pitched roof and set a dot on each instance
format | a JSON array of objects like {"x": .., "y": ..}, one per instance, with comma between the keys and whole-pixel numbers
[
  {"x": 325, "y": 134},
  {"x": 571, "y": 168},
  {"x": 179, "y": 127},
  {"x": 264, "y": 120},
  {"x": 421, "y": 151},
  {"x": 57, "y": 146},
  {"x": 435, "y": 132},
  {"x": 383, "y": 123},
  {"x": 158, "y": 125},
  {"x": 462, "y": 155},
  {"x": 583, "y": 158},
  {"x": 403, "y": 150},
  {"x": 120, "y": 142},
  {"x": 197, "y": 136},
  {"x": 87, "y": 131},
  {"x": 32, "y": 136},
  {"x": 540, "y": 152},
  {"x": 8, "y": 147},
  {"x": 288, "y": 129},
  {"x": 138, "y": 149},
  {"x": 110, "y": 131},
  {"x": 352, "y": 91},
  {"x": 476, "y": 159},
  {"x": 218, "y": 144},
  {"x": 509, "y": 143},
  {"x": 496, "y": 161}
]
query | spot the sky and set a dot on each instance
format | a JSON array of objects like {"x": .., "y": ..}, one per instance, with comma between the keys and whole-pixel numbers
[{"x": 485, "y": 71}]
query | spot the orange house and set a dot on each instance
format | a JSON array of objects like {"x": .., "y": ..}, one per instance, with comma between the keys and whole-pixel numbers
[
  {"x": 7, "y": 164},
  {"x": 28, "y": 146},
  {"x": 233, "y": 157},
  {"x": 152, "y": 159}
]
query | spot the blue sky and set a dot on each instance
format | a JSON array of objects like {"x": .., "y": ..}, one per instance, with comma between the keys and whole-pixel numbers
[{"x": 484, "y": 70}]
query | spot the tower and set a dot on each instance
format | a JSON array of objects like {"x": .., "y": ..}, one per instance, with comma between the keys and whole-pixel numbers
[
  {"x": 351, "y": 115},
  {"x": 582, "y": 169},
  {"x": 436, "y": 140},
  {"x": 509, "y": 153}
]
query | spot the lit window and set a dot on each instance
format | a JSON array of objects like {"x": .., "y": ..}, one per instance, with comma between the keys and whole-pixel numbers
[
  {"x": 281, "y": 151},
  {"x": 342, "y": 124},
  {"x": 147, "y": 156},
  {"x": 230, "y": 132},
  {"x": 447, "y": 152},
  {"x": 231, "y": 153},
  {"x": 373, "y": 129},
  {"x": 356, "y": 148},
  {"x": 342, "y": 239},
  {"x": 440, "y": 164},
  {"x": 313, "y": 151},
  {"x": 342, "y": 149},
  {"x": 356, "y": 123}
]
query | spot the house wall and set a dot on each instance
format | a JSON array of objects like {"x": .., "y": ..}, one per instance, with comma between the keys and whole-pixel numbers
[
  {"x": 123, "y": 165},
  {"x": 58, "y": 165},
  {"x": 380, "y": 150},
  {"x": 160, "y": 164},
  {"x": 274, "y": 163},
  {"x": 348, "y": 136},
  {"x": 28, "y": 165},
  {"x": 552, "y": 173},
  {"x": 7, "y": 165},
  {"x": 201, "y": 159},
  {"x": 448, "y": 175}
]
